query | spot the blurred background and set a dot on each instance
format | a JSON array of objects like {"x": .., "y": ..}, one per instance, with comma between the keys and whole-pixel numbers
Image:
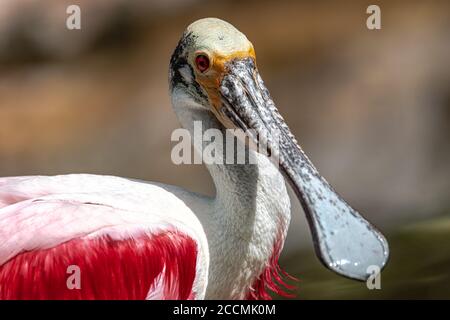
[{"x": 370, "y": 107}]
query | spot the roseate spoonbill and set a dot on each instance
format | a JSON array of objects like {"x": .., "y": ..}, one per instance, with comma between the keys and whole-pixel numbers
[{"x": 135, "y": 240}]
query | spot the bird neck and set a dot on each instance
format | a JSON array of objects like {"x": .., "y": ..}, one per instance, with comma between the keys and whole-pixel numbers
[
  {"x": 249, "y": 214},
  {"x": 237, "y": 182}
]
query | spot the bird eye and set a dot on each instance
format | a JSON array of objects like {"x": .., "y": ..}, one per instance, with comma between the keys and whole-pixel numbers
[{"x": 202, "y": 62}]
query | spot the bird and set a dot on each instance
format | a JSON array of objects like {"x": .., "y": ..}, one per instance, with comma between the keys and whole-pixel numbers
[{"x": 84, "y": 236}]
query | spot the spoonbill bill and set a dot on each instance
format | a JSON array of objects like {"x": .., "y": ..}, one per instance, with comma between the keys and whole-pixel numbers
[{"x": 130, "y": 239}]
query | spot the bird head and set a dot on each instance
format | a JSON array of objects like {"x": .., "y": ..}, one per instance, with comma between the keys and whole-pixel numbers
[
  {"x": 203, "y": 57},
  {"x": 214, "y": 69}
]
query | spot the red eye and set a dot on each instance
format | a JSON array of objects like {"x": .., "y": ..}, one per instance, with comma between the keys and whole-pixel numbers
[{"x": 202, "y": 62}]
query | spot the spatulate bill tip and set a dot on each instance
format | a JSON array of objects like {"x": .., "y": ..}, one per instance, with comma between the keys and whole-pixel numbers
[{"x": 354, "y": 256}]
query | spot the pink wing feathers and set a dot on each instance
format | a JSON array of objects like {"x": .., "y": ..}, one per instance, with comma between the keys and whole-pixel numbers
[{"x": 121, "y": 252}]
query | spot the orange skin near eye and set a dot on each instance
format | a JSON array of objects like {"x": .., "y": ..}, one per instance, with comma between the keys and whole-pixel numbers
[{"x": 211, "y": 79}]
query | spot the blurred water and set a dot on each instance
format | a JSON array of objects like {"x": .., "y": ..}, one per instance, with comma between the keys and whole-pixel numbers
[{"x": 418, "y": 268}]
